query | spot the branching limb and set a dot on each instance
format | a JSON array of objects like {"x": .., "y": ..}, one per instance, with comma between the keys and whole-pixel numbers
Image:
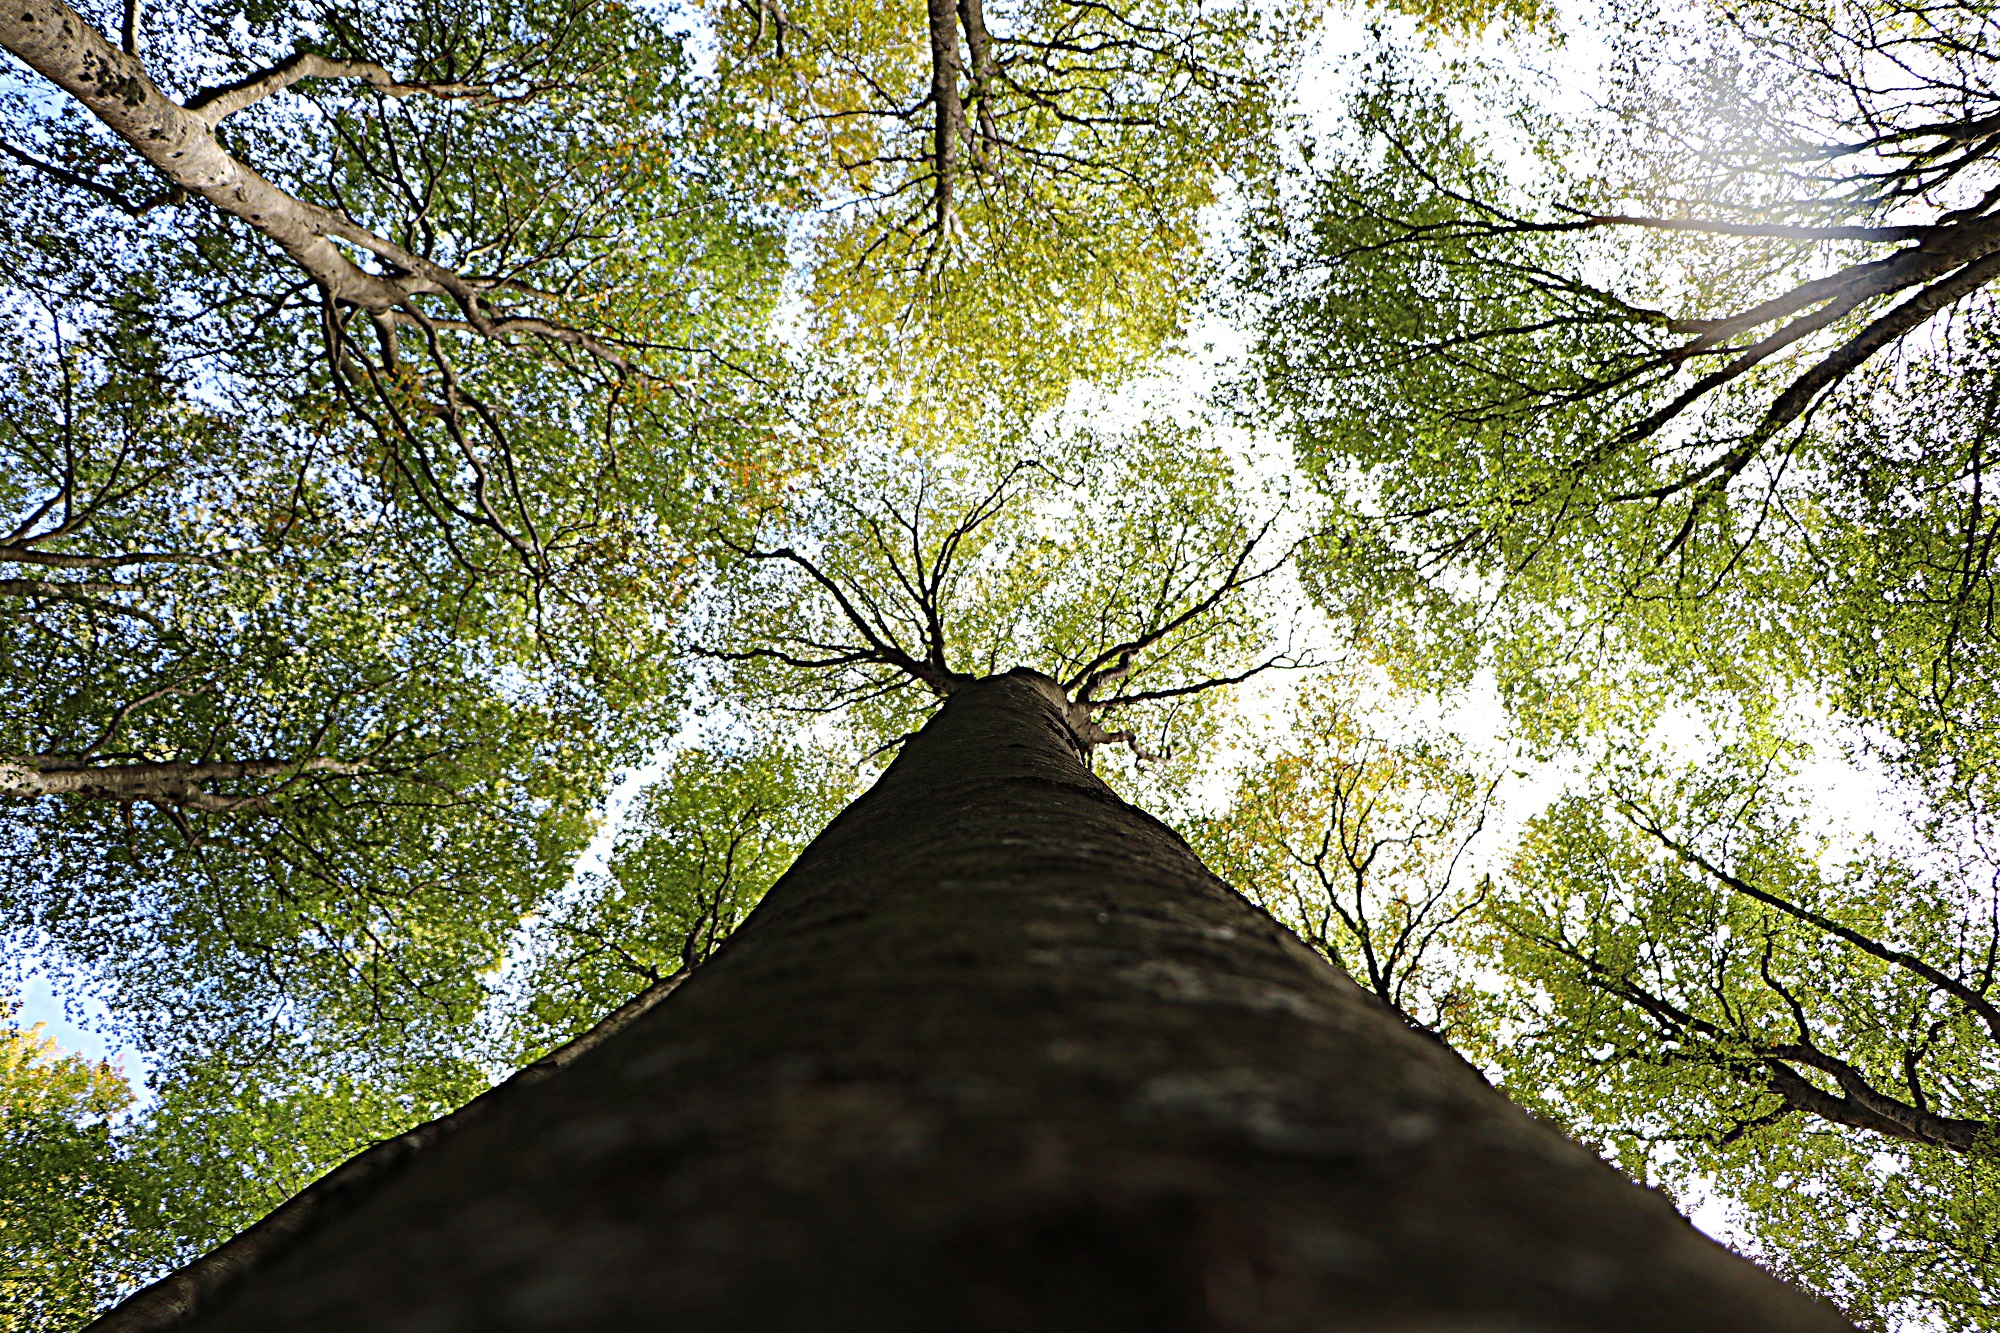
[
  {"x": 28, "y": 555},
  {"x": 1972, "y": 999},
  {"x": 165, "y": 198},
  {"x": 948, "y": 112},
  {"x": 1775, "y": 1066},
  {"x": 214, "y": 105},
  {"x": 54, "y": 40},
  {"x": 80, "y": 594},
  {"x": 178, "y": 142},
  {"x": 879, "y": 644},
  {"x": 1115, "y": 663}
]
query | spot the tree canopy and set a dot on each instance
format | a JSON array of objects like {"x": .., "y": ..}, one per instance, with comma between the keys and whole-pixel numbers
[
  {"x": 382, "y": 387},
  {"x": 1668, "y": 415},
  {"x": 481, "y": 485}
]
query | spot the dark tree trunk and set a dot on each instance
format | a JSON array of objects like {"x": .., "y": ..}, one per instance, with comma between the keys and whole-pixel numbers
[{"x": 1000, "y": 1054}]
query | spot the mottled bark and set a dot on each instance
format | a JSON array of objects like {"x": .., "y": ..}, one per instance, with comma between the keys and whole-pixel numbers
[
  {"x": 175, "y": 782},
  {"x": 949, "y": 124},
  {"x": 999, "y": 1054}
]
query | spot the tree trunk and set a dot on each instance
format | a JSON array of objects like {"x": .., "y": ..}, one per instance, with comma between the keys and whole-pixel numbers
[{"x": 999, "y": 1053}]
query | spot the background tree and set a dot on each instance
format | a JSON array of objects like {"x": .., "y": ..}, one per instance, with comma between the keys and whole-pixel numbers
[
  {"x": 1134, "y": 563},
  {"x": 1364, "y": 846},
  {"x": 1712, "y": 994},
  {"x": 1012, "y": 196},
  {"x": 61, "y": 1192},
  {"x": 339, "y": 579},
  {"x": 1664, "y": 367},
  {"x": 1682, "y": 401}
]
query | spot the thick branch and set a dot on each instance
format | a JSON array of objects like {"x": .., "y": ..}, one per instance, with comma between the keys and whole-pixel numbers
[
  {"x": 1777, "y": 231},
  {"x": 53, "y": 40},
  {"x": 81, "y": 594},
  {"x": 44, "y": 588},
  {"x": 176, "y": 783},
  {"x": 972, "y": 13},
  {"x": 28, "y": 555},
  {"x": 1891, "y": 327},
  {"x": 1865, "y": 1107},
  {"x": 98, "y": 188},
  {"x": 949, "y": 112},
  {"x": 1772, "y": 1063}
]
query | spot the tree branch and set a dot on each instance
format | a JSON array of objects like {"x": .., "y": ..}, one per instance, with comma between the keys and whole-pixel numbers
[
  {"x": 53, "y": 40},
  {"x": 1986, "y": 1010},
  {"x": 214, "y": 105},
  {"x": 168, "y": 783}
]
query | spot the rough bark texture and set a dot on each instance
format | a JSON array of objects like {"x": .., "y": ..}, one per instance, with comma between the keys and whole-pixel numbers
[
  {"x": 188, "y": 1290},
  {"x": 1000, "y": 1054}
]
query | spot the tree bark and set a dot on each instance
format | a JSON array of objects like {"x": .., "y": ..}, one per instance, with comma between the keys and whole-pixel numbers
[
  {"x": 53, "y": 40},
  {"x": 999, "y": 1053},
  {"x": 949, "y": 126}
]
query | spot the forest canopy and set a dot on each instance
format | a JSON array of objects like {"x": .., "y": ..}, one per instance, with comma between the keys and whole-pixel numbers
[{"x": 482, "y": 485}]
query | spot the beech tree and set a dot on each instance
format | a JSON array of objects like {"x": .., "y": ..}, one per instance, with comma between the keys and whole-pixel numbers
[
  {"x": 419, "y": 381},
  {"x": 985, "y": 170},
  {"x": 1668, "y": 372},
  {"x": 378, "y": 378},
  {"x": 302, "y": 630},
  {"x": 996, "y": 1051}
]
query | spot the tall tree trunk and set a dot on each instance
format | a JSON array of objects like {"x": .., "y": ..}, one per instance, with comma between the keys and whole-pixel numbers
[{"x": 999, "y": 1053}]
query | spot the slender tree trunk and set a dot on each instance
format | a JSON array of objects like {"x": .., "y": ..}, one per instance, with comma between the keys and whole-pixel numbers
[
  {"x": 1000, "y": 1054},
  {"x": 949, "y": 126}
]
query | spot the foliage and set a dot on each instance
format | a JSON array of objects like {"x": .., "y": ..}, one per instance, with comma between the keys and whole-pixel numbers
[
  {"x": 1360, "y": 845},
  {"x": 290, "y": 761},
  {"x": 352, "y": 522},
  {"x": 906, "y": 573},
  {"x": 1465, "y": 19},
  {"x": 226, "y": 1138},
  {"x": 61, "y": 1190},
  {"x": 700, "y": 847},
  {"x": 1011, "y": 197},
  {"x": 327, "y": 625},
  {"x": 1688, "y": 401},
  {"x": 345, "y": 566},
  {"x": 1602, "y": 405},
  {"x": 1711, "y": 994}
]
